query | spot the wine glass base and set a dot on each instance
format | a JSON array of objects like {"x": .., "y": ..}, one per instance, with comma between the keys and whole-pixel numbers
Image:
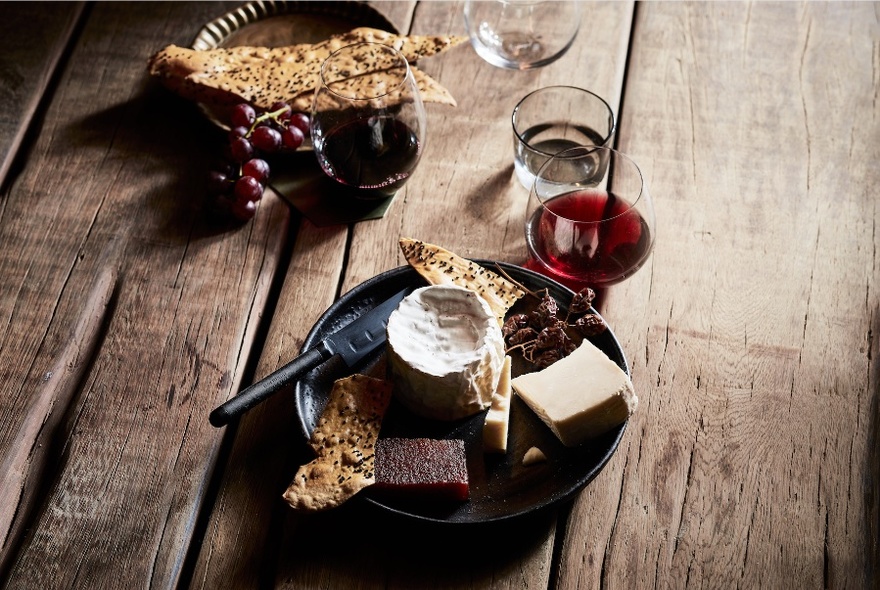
[
  {"x": 304, "y": 186},
  {"x": 516, "y": 59}
]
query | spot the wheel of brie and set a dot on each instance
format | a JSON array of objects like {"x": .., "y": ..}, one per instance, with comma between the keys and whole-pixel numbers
[{"x": 445, "y": 352}]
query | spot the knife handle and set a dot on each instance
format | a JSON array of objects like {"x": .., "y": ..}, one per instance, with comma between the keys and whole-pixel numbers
[{"x": 261, "y": 390}]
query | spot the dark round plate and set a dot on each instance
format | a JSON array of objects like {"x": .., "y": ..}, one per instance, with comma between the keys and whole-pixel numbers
[{"x": 501, "y": 487}]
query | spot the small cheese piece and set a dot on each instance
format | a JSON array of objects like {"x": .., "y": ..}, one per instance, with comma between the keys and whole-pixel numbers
[
  {"x": 533, "y": 456},
  {"x": 497, "y": 422},
  {"x": 579, "y": 397},
  {"x": 445, "y": 352}
]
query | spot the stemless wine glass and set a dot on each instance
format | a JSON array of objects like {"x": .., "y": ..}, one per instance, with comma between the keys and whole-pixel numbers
[
  {"x": 522, "y": 34},
  {"x": 368, "y": 120},
  {"x": 554, "y": 118},
  {"x": 590, "y": 221}
]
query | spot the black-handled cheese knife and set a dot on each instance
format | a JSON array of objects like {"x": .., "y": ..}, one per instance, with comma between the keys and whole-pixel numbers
[{"x": 352, "y": 343}]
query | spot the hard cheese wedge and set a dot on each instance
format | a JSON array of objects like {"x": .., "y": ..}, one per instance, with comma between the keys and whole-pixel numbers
[
  {"x": 581, "y": 396},
  {"x": 497, "y": 422}
]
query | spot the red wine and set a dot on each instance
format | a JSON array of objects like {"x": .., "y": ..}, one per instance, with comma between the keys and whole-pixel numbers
[
  {"x": 569, "y": 240},
  {"x": 374, "y": 155}
]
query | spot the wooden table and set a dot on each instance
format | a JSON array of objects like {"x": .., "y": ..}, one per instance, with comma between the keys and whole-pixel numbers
[{"x": 126, "y": 316}]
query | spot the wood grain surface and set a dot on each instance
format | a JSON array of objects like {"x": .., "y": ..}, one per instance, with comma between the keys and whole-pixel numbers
[
  {"x": 753, "y": 460},
  {"x": 128, "y": 314},
  {"x": 35, "y": 40},
  {"x": 119, "y": 159}
]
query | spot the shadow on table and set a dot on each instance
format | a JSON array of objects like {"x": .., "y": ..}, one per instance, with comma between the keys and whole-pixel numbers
[
  {"x": 357, "y": 545},
  {"x": 155, "y": 153}
]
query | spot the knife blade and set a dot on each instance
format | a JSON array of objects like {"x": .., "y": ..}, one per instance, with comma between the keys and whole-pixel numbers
[{"x": 351, "y": 343}]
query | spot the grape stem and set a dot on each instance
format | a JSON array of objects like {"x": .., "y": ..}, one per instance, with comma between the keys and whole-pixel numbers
[
  {"x": 265, "y": 116},
  {"x": 535, "y": 294}
]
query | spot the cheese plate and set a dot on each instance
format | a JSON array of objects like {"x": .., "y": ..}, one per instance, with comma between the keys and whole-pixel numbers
[{"x": 501, "y": 487}]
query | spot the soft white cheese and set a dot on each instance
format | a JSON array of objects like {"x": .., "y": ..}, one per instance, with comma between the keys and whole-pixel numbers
[
  {"x": 497, "y": 423},
  {"x": 580, "y": 396},
  {"x": 445, "y": 352}
]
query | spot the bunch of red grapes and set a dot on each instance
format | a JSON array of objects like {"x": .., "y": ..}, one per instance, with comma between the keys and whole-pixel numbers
[{"x": 239, "y": 183}]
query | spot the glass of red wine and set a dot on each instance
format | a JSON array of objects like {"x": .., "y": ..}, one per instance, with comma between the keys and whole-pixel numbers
[
  {"x": 368, "y": 120},
  {"x": 590, "y": 221}
]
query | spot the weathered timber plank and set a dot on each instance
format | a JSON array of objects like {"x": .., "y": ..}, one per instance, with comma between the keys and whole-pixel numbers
[
  {"x": 34, "y": 40},
  {"x": 463, "y": 196},
  {"x": 27, "y": 457},
  {"x": 240, "y": 544},
  {"x": 246, "y": 522},
  {"x": 400, "y": 13},
  {"x": 121, "y": 158},
  {"x": 752, "y": 460},
  {"x": 351, "y": 548}
]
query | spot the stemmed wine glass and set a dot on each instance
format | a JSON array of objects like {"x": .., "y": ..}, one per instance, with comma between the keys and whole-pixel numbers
[
  {"x": 368, "y": 120},
  {"x": 590, "y": 221}
]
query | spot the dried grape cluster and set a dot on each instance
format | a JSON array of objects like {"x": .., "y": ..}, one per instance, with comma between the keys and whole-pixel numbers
[
  {"x": 543, "y": 336},
  {"x": 239, "y": 183}
]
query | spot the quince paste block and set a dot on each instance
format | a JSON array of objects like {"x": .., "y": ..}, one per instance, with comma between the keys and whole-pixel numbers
[{"x": 579, "y": 397}]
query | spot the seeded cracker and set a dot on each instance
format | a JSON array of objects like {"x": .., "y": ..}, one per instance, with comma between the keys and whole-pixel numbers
[
  {"x": 263, "y": 76},
  {"x": 429, "y": 89},
  {"x": 344, "y": 442},
  {"x": 439, "y": 266}
]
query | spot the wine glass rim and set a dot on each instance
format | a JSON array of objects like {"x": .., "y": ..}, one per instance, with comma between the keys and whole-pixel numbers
[
  {"x": 580, "y": 151},
  {"x": 513, "y": 117},
  {"x": 382, "y": 47}
]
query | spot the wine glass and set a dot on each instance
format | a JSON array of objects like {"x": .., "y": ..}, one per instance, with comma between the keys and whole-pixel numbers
[
  {"x": 522, "y": 34},
  {"x": 590, "y": 220},
  {"x": 551, "y": 119},
  {"x": 368, "y": 120}
]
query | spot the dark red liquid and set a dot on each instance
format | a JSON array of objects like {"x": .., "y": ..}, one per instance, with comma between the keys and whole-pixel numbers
[
  {"x": 568, "y": 242},
  {"x": 375, "y": 155}
]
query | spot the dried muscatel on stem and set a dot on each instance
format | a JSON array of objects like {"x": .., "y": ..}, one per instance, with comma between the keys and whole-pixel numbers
[{"x": 542, "y": 336}]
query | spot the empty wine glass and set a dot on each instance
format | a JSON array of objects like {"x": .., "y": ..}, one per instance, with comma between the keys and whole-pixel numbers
[
  {"x": 522, "y": 34},
  {"x": 590, "y": 220},
  {"x": 368, "y": 120},
  {"x": 551, "y": 119}
]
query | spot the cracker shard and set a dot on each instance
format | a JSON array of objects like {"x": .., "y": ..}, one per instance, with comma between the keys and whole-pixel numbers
[
  {"x": 439, "y": 266},
  {"x": 344, "y": 444}
]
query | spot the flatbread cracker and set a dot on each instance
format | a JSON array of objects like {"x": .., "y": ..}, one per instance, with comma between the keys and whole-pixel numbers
[
  {"x": 344, "y": 442},
  {"x": 413, "y": 47},
  {"x": 429, "y": 89},
  {"x": 439, "y": 266},
  {"x": 263, "y": 76}
]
